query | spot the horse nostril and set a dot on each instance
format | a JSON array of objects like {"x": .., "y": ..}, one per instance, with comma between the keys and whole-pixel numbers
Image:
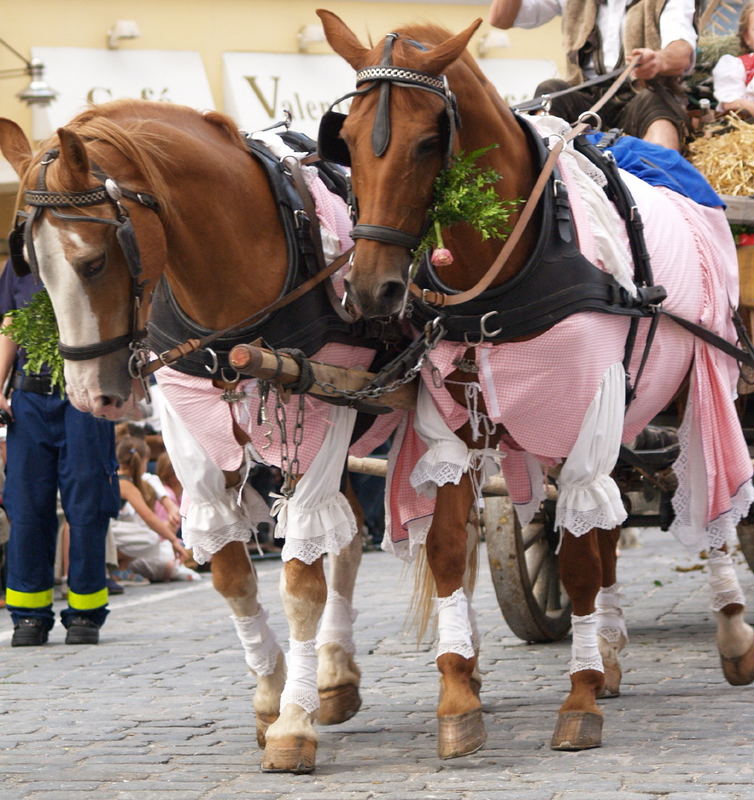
[
  {"x": 106, "y": 400},
  {"x": 391, "y": 293}
]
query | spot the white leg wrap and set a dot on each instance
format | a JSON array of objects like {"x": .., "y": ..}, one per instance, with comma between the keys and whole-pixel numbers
[
  {"x": 585, "y": 653},
  {"x": 259, "y": 643},
  {"x": 336, "y": 626},
  {"x": 610, "y": 622},
  {"x": 723, "y": 582},
  {"x": 301, "y": 683},
  {"x": 454, "y": 625}
]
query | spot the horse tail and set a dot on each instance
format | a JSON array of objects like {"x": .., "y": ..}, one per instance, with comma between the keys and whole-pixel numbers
[{"x": 424, "y": 591}]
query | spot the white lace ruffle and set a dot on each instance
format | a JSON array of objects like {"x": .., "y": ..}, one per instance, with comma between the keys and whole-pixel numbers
[
  {"x": 588, "y": 497},
  {"x": 444, "y": 462},
  {"x": 311, "y": 531},
  {"x": 595, "y": 506},
  {"x": 209, "y": 525}
]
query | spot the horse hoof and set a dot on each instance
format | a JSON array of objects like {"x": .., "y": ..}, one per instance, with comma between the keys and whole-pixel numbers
[
  {"x": 264, "y": 720},
  {"x": 290, "y": 754},
  {"x": 739, "y": 671},
  {"x": 613, "y": 676},
  {"x": 461, "y": 734},
  {"x": 577, "y": 730},
  {"x": 338, "y": 704}
]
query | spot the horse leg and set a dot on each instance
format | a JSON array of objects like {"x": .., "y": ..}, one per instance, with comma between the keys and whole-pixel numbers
[
  {"x": 612, "y": 635},
  {"x": 291, "y": 740},
  {"x": 579, "y": 725},
  {"x": 735, "y": 638},
  {"x": 234, "y": 578},
  {"x": 338, "y": 676},
  {"x": 459, "y": 711}
]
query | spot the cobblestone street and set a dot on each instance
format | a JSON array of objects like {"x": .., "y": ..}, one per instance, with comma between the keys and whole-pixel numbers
[{"x": 161, "y": 708}]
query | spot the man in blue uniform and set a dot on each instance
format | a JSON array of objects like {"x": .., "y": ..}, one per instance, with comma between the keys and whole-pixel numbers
[{"x": 50, "y": 446}]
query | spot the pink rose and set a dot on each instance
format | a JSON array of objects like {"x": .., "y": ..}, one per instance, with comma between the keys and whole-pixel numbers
[{"x": 441, "y": 257}]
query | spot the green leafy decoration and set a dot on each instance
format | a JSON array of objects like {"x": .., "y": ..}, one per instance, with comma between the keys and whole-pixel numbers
[
  {"x": 35, "y": 328},
  {"x": 465, "y": 192}
]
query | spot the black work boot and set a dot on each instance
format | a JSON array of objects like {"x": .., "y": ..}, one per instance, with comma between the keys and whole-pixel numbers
[
  {"x": 82, "y": 630},
  {"x": 28, "y": 632}
]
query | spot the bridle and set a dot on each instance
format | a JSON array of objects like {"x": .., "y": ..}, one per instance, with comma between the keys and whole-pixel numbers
[
  {"x": 383, "y": 76},
  {"x": 108, "y": 191}
]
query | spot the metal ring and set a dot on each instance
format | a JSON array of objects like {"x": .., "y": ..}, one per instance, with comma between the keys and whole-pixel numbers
[
  {"x": 594, "y": 115},
  {"x": 214, "y": 364}
]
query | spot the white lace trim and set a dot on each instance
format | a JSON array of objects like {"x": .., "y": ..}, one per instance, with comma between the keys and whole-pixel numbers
[
  {"x": 261, "y": 649},
  {"x": 454, "y": 625},
  {"x": 723, "y": 581},
  {"x": 311, "y": 531},
  {"x": 580, "y": 509},
  {"x": 209, "y": 525},
  {"x": 444, "y": 462},
  {"x": 336, "y": 626},
  {"x": 688, "y": 525},
  {"x": 301, "y": 681},
  {"x": 585, "y": 653}
]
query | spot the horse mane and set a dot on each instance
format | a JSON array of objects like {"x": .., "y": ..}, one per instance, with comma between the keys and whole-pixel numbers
[{"x": 128, "y": 127}]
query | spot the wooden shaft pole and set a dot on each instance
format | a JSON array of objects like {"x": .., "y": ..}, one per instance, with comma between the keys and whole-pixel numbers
[{"x": 280, "y": 368}]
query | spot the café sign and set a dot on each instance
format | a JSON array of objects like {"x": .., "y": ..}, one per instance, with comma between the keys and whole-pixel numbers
[
  {"x": 259, "y": 87},
  {"x": 83, "y": 75}
]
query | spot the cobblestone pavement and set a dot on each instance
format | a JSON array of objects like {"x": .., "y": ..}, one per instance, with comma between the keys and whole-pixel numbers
[{"x": 161, "y": 708}]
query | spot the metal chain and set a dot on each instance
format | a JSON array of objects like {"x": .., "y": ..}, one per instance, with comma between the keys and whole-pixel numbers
[
  {"x": 289, "y": 466},
  {"x": 433, "y": 333}
]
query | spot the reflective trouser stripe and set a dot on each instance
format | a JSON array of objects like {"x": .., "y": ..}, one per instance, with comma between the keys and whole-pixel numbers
[
  {"x": 87, "y": 602},
  {"x": 28, "y": 599}
]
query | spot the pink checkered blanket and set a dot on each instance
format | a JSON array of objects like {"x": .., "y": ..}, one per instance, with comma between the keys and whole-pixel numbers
[{"x": 541, "y": 389}]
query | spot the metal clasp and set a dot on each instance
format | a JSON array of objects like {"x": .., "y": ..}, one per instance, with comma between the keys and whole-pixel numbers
[{"x": 483, "y": 326}]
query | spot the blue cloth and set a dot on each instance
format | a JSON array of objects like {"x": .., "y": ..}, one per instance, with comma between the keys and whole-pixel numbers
[
  {"x": 50, "y": 446},
  {"x": 660, "y": 166}
]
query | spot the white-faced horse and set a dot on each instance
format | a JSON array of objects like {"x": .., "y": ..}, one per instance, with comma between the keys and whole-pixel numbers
[{"x": 134, "y": 202}]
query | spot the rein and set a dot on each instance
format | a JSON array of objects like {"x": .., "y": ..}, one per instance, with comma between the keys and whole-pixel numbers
[{"x": 442, "y": 300}]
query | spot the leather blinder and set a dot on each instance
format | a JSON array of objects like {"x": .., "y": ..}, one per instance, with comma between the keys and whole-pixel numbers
[
  {"x": 129, "y": 246},
  {"x": 329, "y": 144},
  {"x": 16, "y": 247}
]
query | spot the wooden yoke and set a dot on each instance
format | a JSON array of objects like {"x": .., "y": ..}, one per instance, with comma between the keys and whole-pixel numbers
[{"x": 281, "y": 369}]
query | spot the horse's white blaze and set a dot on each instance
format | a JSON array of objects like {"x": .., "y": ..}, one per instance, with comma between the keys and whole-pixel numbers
[{"x": 77, "y": 321}]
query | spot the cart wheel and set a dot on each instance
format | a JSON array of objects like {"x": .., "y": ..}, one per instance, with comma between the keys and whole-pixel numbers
[
  {"x": 745, "y": 530},
  {"x": 524, "y": 571}
]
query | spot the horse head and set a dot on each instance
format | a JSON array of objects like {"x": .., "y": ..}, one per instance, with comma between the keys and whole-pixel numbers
[
  {"x": 413, "y": 89},
  {"x": 91, "y": 232}
]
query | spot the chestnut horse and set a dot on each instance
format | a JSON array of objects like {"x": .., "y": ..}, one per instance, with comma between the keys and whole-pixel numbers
[
  {"x": 131, "y": 191},
  {"x": 550, "y": 392}
]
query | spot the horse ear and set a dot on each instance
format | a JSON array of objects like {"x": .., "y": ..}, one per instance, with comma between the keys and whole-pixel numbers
[
  {"x": 342, "y": 39},
  {"x": 435, "y": 60},
  {"x": 14, "y": 145},
  {"x": 74, "y": 161}
]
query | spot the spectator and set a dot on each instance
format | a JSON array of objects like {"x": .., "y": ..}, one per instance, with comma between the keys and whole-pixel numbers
[
  {"x": 599, "y": 36},
  {"x": 52, "y": 445},
  {"x": 733, "y": 76},
  {"x": 146, "y": 544}
]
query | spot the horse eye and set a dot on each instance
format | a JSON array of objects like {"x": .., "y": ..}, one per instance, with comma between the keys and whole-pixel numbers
[
  {"x": 93, "y": 267},
  {"x": 428, "y": 146}
]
